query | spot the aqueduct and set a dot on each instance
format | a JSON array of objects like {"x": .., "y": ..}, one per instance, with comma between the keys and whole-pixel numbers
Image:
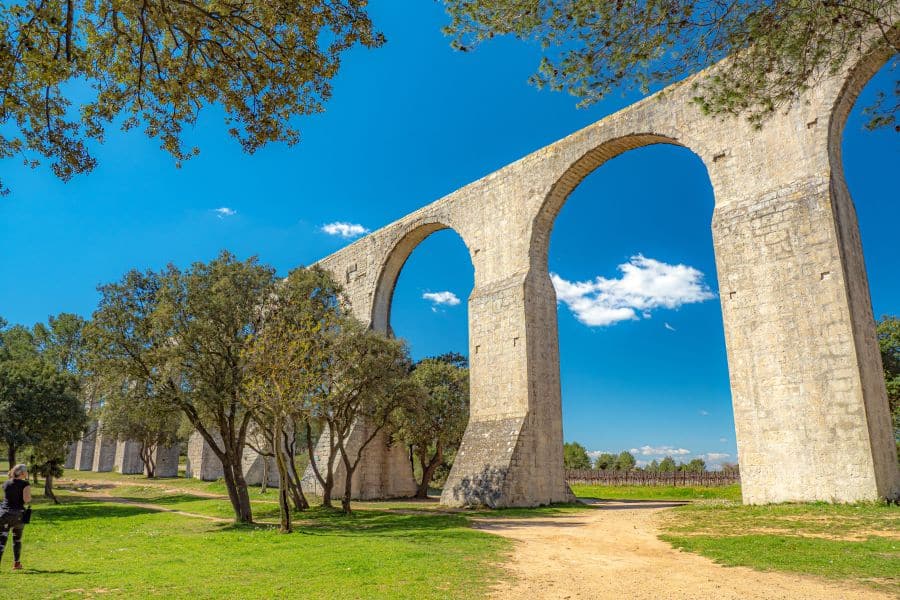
[{"x": 806, "y": 379}]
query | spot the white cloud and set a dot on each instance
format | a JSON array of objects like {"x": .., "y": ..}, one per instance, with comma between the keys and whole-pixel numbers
[
  {"x": 441, "y": 298},
  {"x": 660, "y": 451},
  {"x": 646, "y": 284},
  {"x": 594, "y": 454},
  {"x": 345, "y": 230},
  {"x": 715, "y": 456},
  {"x": 669, "y": 327},
  {"x": 224, "y": 211},
  {"x": 723, "y": 440},
  {"x": 704, "y": 413}
]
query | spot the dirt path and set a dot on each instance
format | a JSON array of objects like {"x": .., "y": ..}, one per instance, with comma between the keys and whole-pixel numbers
[{"x": 612, "y": 551}]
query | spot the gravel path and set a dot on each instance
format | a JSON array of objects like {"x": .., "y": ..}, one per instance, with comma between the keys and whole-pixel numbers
[{"x": 612, "y": 551}]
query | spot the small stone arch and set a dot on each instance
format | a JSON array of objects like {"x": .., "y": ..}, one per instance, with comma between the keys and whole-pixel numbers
[{"x": 408, "y": 239}]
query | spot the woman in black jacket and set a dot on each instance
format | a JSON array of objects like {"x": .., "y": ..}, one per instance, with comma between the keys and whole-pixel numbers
[{"x": 16, "y": 494}]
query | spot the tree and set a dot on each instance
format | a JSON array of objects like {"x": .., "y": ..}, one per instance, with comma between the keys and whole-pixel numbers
[
  {"x": 433, "y": 423},
  {"x": 70, "y": 69},
  {"x": 182, "y": 333},
  {"x": 38, "y": 407},
  {"x": 62, "y": 343},
  {"x": 575, "y": 456},
  {"x": 888, "y": 330},
  {"x": 667, "y": 465},
  {"x": 134, "y": 411},
  {"x": 63, "y": 422},
  {"x": 653, "y": 467},
  {"x": 367, "y": 383},
  {"x": 605, "y": 462},
  {"x": 286, "y": 363},
  {"x": 625, "y": 461},
  {"x": 777, "y": 49},
  {"x": 696, "y": 465}
]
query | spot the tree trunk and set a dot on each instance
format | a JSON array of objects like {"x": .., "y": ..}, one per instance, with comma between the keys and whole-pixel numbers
[
  {"x": 48, "y": 489},
  {"x": 11, "y": 455},
  {"x": 283, "y": 503},
  {"x": 264, "y": 484},
  {"x": 147, "y": 459},
  {"x": 327, "y": 481},
  {"x": 428, "y": 471},
  {"x": 295, "y": 481},
  {"x": 348, "y": 487}
]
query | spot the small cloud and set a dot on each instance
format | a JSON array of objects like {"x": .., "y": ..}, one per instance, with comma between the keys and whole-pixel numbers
[
  {"x": 595, "y": 454},
  {"x": 224, "y": 211},
  {"x": 646, "y": 284},
  {"x": 345, "y": 230},
  {"x": 715, "y": 456},
  {"x": 669, "y": 327},
  {"x": 441, "y": 299},
  {"x": 660, "y": 451},
  {"x": 704, "y": 413},
  {"x": 723, "y": 440}
]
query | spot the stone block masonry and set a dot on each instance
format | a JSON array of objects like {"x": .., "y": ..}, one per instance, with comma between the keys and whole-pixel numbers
[
  {"x": 128, "y": 458},
  {"x": 806, "y": 378}
]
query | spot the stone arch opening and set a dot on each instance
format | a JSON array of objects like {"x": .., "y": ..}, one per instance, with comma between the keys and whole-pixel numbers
[
  {"x": 422, "y": 296},
  {"x": 666, "y": 219},
  {"x": 393, "y": 265}
]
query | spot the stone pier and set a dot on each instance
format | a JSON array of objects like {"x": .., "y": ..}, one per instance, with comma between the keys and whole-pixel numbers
[
  {"x": 104, "y": 453},
  {"x": 84, "y": 449},
  {"x": 128, "y": 458}
]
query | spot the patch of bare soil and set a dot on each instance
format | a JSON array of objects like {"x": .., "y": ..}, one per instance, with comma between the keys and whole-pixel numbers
[{"x": 612, "y": 551}]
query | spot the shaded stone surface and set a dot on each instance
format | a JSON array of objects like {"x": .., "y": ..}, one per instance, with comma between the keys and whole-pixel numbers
[{"x": 128, "y": 458}]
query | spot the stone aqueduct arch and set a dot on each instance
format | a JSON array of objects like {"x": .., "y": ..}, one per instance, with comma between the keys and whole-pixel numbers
[{"x": 810, "y": 404}]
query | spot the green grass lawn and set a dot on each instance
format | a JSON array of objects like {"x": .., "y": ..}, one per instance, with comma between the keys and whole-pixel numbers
[
  {"x": 858, "y": 542},
  {"x": 85, "y": 548},
  {"x": 396, "y": 549}
]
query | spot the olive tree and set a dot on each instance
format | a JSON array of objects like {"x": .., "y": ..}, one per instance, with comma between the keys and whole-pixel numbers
[{"x": 182, "y": 334}]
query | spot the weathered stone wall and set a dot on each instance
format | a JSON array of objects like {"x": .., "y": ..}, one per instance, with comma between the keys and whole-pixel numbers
[
  {"x": 166, "y": 459},
  {"x": 128, "y": 458},
  {"x": 806, "y": 379},
  {"x": 104, "y": 453},
  {"x": 84, "y": 449},
  {"x": 202, "y": 463}
]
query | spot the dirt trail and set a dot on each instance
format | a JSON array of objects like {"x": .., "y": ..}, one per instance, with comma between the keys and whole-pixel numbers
[
  {"x": 147, "y": 505},
  {"x": 612, "y": 551}
]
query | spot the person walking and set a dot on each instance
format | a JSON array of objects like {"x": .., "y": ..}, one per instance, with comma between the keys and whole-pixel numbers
[{"x": 16, "y": 494}]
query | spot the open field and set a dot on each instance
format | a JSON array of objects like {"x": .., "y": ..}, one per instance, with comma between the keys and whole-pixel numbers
[
  {"x": 127, "y": 536},
  {"x": 852, "y": 542}
]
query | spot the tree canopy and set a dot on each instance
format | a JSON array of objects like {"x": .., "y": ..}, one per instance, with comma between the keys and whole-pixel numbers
[
  {"x": 69, "y": 70},
  {"x": 778, "y": 48},
  {"x": 434, "y": 421},
  {"x": 575, "y": 456}
]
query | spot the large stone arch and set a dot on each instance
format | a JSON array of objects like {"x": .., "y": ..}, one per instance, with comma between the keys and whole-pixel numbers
[{"x": 579, "y": 169}]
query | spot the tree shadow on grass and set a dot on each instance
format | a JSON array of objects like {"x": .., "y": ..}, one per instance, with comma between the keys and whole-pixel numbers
[
  {"x": 322, "y": 521},
  {"x": 77, "y": 509}
]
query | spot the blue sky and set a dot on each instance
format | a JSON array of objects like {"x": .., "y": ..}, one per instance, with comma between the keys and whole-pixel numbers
[{"x": 409, "y": 123}]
